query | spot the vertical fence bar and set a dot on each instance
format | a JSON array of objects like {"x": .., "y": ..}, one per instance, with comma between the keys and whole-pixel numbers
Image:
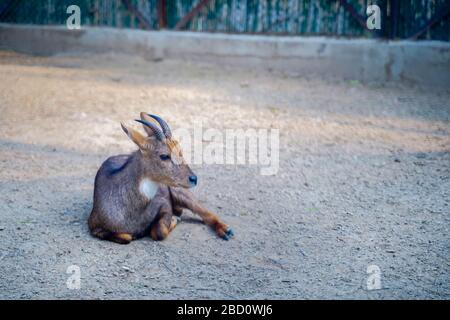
[
  {"x": 395, "y": 11},
  {"x": 162, "y": 21}
]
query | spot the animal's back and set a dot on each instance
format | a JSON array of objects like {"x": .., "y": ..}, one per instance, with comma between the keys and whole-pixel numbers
[
  {"x": 105, "y": 184},
  {"x": 115, "y": 164}
]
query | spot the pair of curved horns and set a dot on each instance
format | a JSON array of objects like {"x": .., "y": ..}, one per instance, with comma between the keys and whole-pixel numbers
[{"x": 160, "y": 135}]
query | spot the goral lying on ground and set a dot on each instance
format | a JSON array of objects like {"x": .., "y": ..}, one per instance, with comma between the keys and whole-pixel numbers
[{"x": 139, "y": 194}]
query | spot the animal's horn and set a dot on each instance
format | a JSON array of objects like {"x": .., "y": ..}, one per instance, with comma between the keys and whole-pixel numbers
[
  {"x": 158, "y": 133},
  {"x": 165, "y": 127}
]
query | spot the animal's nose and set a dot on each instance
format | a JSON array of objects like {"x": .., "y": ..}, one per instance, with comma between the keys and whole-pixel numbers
[{"x": 193, "y": 180}]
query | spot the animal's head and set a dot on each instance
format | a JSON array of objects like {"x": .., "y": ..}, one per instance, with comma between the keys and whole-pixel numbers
[{"x": 161, "y": 156}]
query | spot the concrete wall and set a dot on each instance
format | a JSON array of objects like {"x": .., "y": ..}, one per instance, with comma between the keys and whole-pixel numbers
[{"x": 425, "y": 63}]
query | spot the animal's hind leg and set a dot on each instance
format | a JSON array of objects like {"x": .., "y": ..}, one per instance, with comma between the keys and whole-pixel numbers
[
  {"x": 117, "y": 237},
  {"x": 122, "y": 238}
]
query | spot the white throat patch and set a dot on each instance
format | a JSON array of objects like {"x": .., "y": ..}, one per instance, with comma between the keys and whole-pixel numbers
[{"x": 148, "y": 188}]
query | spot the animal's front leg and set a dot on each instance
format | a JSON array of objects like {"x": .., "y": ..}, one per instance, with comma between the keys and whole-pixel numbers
[
  {"x": 186, "y": 200},
  {"x": 163, "y": 225}
]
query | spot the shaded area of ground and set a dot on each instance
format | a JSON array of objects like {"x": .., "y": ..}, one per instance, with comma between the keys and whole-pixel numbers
[{"x": 364, "y": 179}]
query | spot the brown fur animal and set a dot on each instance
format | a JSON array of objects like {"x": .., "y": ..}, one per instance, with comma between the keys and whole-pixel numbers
[{"x": 139, "y": 194}]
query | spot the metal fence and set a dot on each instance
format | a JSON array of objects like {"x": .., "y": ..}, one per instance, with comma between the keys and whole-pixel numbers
[{"x": 422, "y": 19}]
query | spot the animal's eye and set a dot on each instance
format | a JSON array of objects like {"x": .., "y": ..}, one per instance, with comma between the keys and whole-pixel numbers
[{"x": 164, "y": 157}]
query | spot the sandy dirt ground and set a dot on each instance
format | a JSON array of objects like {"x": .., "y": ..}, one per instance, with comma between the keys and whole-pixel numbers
[{"x": 364, "y": 179}]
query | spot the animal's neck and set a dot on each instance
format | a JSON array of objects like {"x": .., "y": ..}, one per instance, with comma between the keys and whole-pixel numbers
[{"x": 146, "y": 186}]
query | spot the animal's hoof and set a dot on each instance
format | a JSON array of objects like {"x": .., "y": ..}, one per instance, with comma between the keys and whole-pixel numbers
[{"x": 229, "y": 233}]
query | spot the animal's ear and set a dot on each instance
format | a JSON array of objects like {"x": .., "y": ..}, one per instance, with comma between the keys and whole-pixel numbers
[
  {"x": 147, "y": 118},
  {"x": 136, "y": 137}
]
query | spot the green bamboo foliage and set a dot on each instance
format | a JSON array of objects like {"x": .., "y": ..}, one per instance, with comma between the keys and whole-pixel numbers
[{"x": 279, "y": 17}]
